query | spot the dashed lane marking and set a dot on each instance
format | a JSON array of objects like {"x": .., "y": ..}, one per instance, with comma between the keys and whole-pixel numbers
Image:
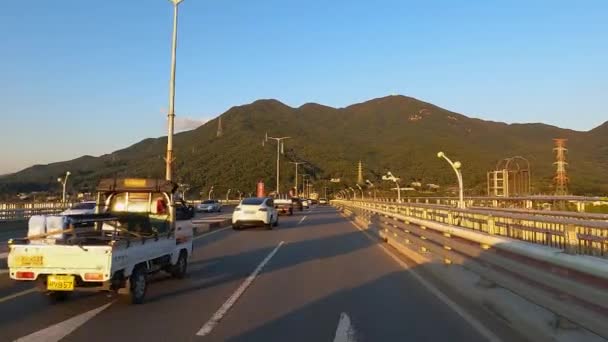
[
  {"x": 60, "y": 330},
  {"x": 223, "y": 310},
  {"x": 345, "y": 331}
]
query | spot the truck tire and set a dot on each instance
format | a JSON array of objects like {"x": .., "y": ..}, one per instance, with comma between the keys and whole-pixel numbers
[
  {"x": 181, "y": 266},
  {"x": 138, "y": 284},
  {"x": 276, "y": 223},
  {"x": 269, "y": 224}
]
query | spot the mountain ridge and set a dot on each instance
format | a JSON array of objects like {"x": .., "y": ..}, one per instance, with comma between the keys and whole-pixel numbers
[{"x": 396, "y": 133}]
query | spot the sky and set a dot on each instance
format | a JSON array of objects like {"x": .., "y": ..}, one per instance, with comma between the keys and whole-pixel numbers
[{"x": 90, "y": 77}]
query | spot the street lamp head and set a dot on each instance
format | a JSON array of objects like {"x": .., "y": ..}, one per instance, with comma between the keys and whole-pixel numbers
[
  {"x": 59, "y": 180},
  {"x": 457, "y": 165},
  {"x": 68, "y": 173},
  {"x": 440, "y": 155},
  {"x": 385, "y": 177},
  {"x": 175, "y": 2}
]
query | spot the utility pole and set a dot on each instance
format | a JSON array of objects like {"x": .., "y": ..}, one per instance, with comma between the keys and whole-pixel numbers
[
  {"x": 171, "y": 113},
  {"x": 296, "y": 164},
  {"x": 279, "y": 143}
]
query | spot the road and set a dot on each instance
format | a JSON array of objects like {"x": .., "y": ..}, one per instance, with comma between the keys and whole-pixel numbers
[{"x": 316, "y": 277}]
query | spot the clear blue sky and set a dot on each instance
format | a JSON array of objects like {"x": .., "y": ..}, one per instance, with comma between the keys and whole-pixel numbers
[{"x": 89, "y": 77}]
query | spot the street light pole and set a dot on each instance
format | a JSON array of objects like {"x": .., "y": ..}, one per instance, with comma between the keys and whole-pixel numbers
[
  {"x": 354, "y": 193},
  {"x": 371, "y": 185},
  {"x": 171, "y": 113},
  {"x": 278, "y": 157},
  {"x": 456, "y": 167},
  {"x": 389, "y": 176},
  {"x": 228, "y": 194},
  {"x": 210, "y": 192},
  {"x": 296, "y": 164},
  {"x": 64, "y": 182},
  {"x": 358, "y": 186}
]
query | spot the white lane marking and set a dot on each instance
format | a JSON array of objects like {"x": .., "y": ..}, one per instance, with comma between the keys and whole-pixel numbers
[
  {"x": 345, "y": 331},
  {"x": 4, "y": 255},
  {"x": 18, "y": 294},
  {"x": 211, "y": 233},
  {"x": 302, "y": 219},
  {"x": 60, "y": 330},
  {"x": 476, "y": 324},
  {"x": 221, "y": 312}
]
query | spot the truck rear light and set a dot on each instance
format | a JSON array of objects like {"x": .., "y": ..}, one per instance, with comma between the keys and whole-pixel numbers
[
  {"x": 25, "y": 275},
  {"x": 263, "y": 209},
  {"x": 93, "y": 276}
]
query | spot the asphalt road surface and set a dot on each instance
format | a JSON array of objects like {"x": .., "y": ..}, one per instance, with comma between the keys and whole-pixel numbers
[{"x": 316, "y": 277}]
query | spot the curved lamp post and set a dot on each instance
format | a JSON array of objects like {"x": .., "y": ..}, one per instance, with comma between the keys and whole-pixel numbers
[
  {"x": 358, "y": 186},
  {"x": 371, "y": 185},
  {"x": 64, "y": 182},
  {"x": 390, "y": 177},
  {"x": 210, "y": 192},
  {"x": 456, "y": 166}
]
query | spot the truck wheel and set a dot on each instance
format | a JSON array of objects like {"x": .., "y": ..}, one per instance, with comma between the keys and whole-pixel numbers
[
  {"x": 179, "y": 269},
  {"x": 138, "y": 284},
  {"x": 276, "y": 223},
  {"x": 269, "y": 225}
]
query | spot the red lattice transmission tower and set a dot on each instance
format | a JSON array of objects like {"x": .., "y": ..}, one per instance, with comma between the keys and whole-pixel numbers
[{"x": 561, "y": 175}]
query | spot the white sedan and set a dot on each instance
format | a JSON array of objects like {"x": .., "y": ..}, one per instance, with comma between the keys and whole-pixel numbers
[{"x": 255, "y": 211}]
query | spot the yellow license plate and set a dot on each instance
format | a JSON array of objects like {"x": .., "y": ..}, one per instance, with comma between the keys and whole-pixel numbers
[
  {"x": 60, "y": 283},
  {"x": 33, "y": 260}
]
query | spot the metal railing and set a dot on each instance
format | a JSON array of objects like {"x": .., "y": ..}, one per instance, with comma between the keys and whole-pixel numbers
[
  {"x": 577, "y": 203},
  {"x": 576, "y": 234},
  {"x": 572, "y": 286},
  {"x": 23, "y": 211}
]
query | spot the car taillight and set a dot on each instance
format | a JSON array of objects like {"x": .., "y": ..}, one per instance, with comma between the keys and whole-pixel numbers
[
  {"x": 25, "y": 275},
  {"x": 263, "y": 209},
  {"x": 93, "y": 276}
]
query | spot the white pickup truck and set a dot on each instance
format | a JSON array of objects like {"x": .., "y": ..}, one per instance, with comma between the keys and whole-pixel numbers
[{"x": 116, "y": 250}]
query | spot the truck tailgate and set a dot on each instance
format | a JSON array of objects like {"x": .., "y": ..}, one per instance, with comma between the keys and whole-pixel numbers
[{"x": 59, "y": 259}]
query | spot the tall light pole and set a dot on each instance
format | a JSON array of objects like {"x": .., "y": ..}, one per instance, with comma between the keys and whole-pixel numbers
[
  {"x": 358, "y": 186},
  {"x": 210, "y": 192},
  {"x": 296, "y": 164},
  {"x": 456, "y": 167},
  {"x": 279, "y": 141},
  {"x": 171, "y": 113},
  {"x": 228, "y": 194},
  {"x": 390, "y": 177},
  {"x": 64, "y": 182},
  {"x": 304, "y": 184}
]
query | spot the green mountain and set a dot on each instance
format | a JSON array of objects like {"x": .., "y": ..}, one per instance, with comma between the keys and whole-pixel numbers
[{"x": 395, "y": 133}]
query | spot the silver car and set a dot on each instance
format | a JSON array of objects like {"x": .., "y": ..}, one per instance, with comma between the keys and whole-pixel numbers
[{"x": 209, "y": 206}]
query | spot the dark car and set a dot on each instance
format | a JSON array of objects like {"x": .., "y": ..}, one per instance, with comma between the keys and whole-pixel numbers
[
  {"x": 297, "y": 203},
  {"x": 183, "y": 211}
]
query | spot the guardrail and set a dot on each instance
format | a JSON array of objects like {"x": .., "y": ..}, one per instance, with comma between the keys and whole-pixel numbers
[
  {"x": 577, "y": 235},
  {"x": 23, "y": 211},
  {"x": 574, "y": 287},
  {"x": 579, "y": 203}
]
